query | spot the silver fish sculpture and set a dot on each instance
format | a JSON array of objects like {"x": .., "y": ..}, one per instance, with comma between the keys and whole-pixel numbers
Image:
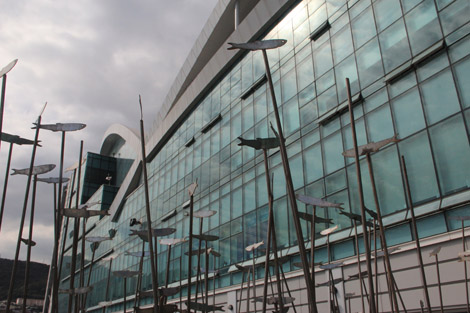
[
  {"x": 28, "y": 242},
  {"x": 197, "y": 252},
  {"x": 166, "y": 308},
  {"x": 105, "y": 303},
  {"x": 126, "y": 273},
  {"x": 171, "y": 241},
  {"x": 389, "y": 250},
  {"x": 204, "y": 213},
  {"x": 17, "y": 140},
  {"x": 213, "y": 252},
  {"x": 258, "y": 45},
  {"x": 192, "y": 188},
  {"x": 318, "y": 202},
  {"x": 331, "y": 266},
  {"x": 138, "y": 253},
  {"x": 37, "y": 170},
  {"x": 260, "y": 143},
  {"x": 254, "y": 246},
  {"x": 355, "y": 217},
  {"x": 206, "y": 237},
  {"x": 156, "y": 232},
  {"x": 372, "y": 213},
  {"x": 299, "y": 265},
  {"x": 328, "y": 283},
  {"x": 77, "y": 213},
  {"x": 203, "y": 307},
  {"x": 242, "y": 268},
  {"x": 460, "y": 218},
  {"x": 97, "y": 239},
  {"x": 74, "y": 166},
  {"x": 370, "y": 147},
  {"x": 308, "y": 218},
  {"x": 76, "y": 291},
  {"x": 61, "y": 127},
  {"x": 53, "y": 180},
  {"x": 88, "y": 205},
  {"x": 329, "y": 230},
  {"x": 169, "y": 291},
  {"x": 435, "y": 251},
  {"x": 8, "y": 67},
  {"x": 356, "y": 276}
]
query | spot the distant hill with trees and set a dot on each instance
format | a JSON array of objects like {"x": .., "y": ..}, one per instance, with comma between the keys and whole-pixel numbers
[{"x": 37, "y": 280}]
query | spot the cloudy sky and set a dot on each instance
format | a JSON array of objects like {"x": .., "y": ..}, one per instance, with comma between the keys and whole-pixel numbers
[{"x": 89, "y": 60}]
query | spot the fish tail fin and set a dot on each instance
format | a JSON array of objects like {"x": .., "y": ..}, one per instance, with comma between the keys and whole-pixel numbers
[
  {"x": 232, "y": 46},
  {"x": 15, "y": 172},
  {"x": 242, "y": 141}
]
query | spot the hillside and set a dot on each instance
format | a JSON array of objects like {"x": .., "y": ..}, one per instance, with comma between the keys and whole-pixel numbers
[{"x": 37, "y": 279}]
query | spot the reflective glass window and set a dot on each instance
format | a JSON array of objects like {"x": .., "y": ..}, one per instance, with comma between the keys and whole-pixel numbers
[
  {"x": 317, "y": 18},
  {"x": 462, "y": 73},
  {"x": 332, "y": 148},
  {"x": 437, "y": 63},
  {"x": 394, "y": 45},
  {"x": 369, "y": 63},
  {"x": 281, "y": 222},
  {"x": 322, "y": 59},
  {"x": 379, "y": 124},
  {"x": 313, "y": 163},
  {"x": 408, "y": 113},
  {"x": 305, "y": 73},
  {"x": 363, "y": 28},
  {"x": 455, "y": 15},
  {"x": 403, "y": 84},
  {"x": 327, "y": 101},
  {"x": 347, "y": 69},
  {"x": 431, "y": 225},
  {"x": 423, "y": 26},
  {"x": 386, "y": 12},
  {"x": 452, "y": 154}
]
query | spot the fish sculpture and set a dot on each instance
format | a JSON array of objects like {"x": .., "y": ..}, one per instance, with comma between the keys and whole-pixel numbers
[
  {"x": 242, "y": 268},
  {"x": 126, "y": 273},
  {"x": 78, "y": 213},
  {"x": 138, "y": 253},
  {"x": 88, "y": 205},
  {"x": 74, "y": 166},
  {"x": 206, "y": 237},
  {"x": 28, "y": 242},
  {"x": 328, "y": 283},
  {"x": 8, "y": 67},
  {"x": 53, "y": 180},
  {"x": 258, "y": 45},
  {"x": 60, "y": 127},
  {"x": 203, "y": 307},
  {"x": 156, "y": 232},
  {"x": 318, "y": 202},
  {"x": 192, "y": 188},
  {"x": 329, "y": 230},
  {"x": 389, "y": 250},
  {"x": 213, "y": 252},
  {"x": 308, "y": 218},
  {"x": 331, "y": 266},
  {"x": 97, "y": 239},
  {"x": 103, "y": 304},
  {"x": 171, "y": 241},
  {"x": 356, "y": 276},
  {"x": 370, "y": 147},
  {"x": 17, "y": 140},
  {"x": 204, "y": 213},
  {"x": 77, "y": 291},
  {"x": 171, "y": 291},
  {"x": 260, "y": 143},
  {"x": 37, "y": 170},
  {"x": 435, "y": 251},
  {"x": 254, "y": 246},
  {"x": 372, "y": 213},
  {"x": 355, "y": 217}
]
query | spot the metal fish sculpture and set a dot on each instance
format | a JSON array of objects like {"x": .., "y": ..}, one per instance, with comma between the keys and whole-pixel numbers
[
  {"x": 372, "y": 213},
  {"x": 192, "y": 188},
  {"x": 8, "y": 67},
  {"x": 28, "y": 242},
  {"x": 329, "y": 230},
  {"x": 318, "y": 202},
  {"x": 213, "y": 252},
  {"x": 77, "y": 213},
  {"x": 258, "y": 45},
  {"x": 460, "y": 218},
  {"x": 389, "y": 250},
  {"x": 53, "y": 180},
  {"x": 206, "y": 237},
  {"x": 171, "y": 241},
  {"x": 171, "y": 291},
  {"x": 61, "y": 127},
  {"x": 328, "y": 283},
  {"x": 370, "y": 147},
  {"x": 126, "y": 273},
  {"x": 435, "y": 251},
  {"x": 203, "y": 307},
  {"x": 204, "y": 213},
  {"x": 37, "y": 170},
  {"x": 308, "y": 218},
  {"x": 243, "y": 268},
  {"x": 105, "y": 303},
  {"x": 97, "y": 239},
  {"x": 156, "y": 232},
  {"x": 260, "y": 143},
  {"x": 355, "y": 217},
  {"x": 88, "y": 205},
  {"x": 299, "y": 265},
  {"x": 254, "y": 246},
  {"x": 331, "y": 266},
  {"x": 138, "y": 254},
  {"x": 77, "y": 291},
  {"x": 17, "y": 140},
  {"x": 74, "y": 166},
  {"x": 196, "y": 252}
]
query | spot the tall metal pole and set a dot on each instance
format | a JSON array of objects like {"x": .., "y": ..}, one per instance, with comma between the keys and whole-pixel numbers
[
  {"x": 20, "y": 230},
  {"x": 372, "y": 306},
  {"x": 2, "y": 103},
  {"x": 82, "y": 265},
  {"x": 107, "y": 284},
  {"x": 383, "y": 240},
  {"x": 47, "y": 300},
  {"x": 5, "y": 183},
  {"x": 358, "y": 255},
  {"x": 198, "y": 269},
  {"x": 441, "y": 303},
  {"x": 76, "y": 225},
  {"x": 29, "y": 244},
  {"x": 415, "y": 234},
  {"x": 139, "y": 278},
  {"x": 190, "y": 243},
  {"x": 290, "y": 191},
  {"x": 147, "y": 212}
]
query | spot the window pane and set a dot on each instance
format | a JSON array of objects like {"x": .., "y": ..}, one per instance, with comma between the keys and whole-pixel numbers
[
  {"x": 288, "y": 86},
  {"x": 281, "y": 222},
  {"x": 452, "y": 154},
  {"x": 327, "y": 101},
  {"x": 363, "y": 28},
  {"x": 313, "y": 163},
  {"x": 462, "y": 71},
  {"x": 379, "y": 124},
  {"x": 369, "y": 63},
  {"x": 440, "y": 97},
  {"x": 332, "y": 148},
  {"x": 305, "y": 73},
  {"x": 347, "y": 69},
  {"x": 423, "y": 26},
  {"x": 420, "y": 167},
  {"x": 290, "y": 112},
  {"x": 322, "y": 59},
  {"x": 455, "y": 15},
  {"x": 408, "y": 113},
  {"x": 386, "y": 12},
  {"x": 431, "y": 225},
  {"x": 342, "y": 44},
  {"x": 297, "y": 171},
  {"x": 394, "y": 44}
]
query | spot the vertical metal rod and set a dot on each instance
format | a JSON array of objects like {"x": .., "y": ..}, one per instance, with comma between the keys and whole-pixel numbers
[
  {"x": 254, "y": 278},
  {"x": 23, "y": 215},
  {"x": 107, "y": 284},
  {"x": 2, "y": 103},
  {"x": 356, "y": 240},
  {"x": 376, "y": 268},
  {"x": 439, "y": 283},
  {"x": 190, "y": 243},
  {"x": 181, "y": 278},
  {"x": 330, "y": 300},
  {"x": 148, "y": 214},
  {"x": 248, "y": 292},
  {"x": 398, "y": 291},
  {"x": 76, "y": 225},
  {"x": 139, "y": 278},
  {"x": 383, "y": 240},
  {"x": 82, "y": 263},
  {"x": 198, "y": 269},
  {"x": 89, "y": 277},
  {"x": 312, "y": 247},
  {"x": 5, "y": 183},
  {"x": 156, "y": 270},
  {"x": 213, "y": 286},
  {"x": 415, "y": 233},
  {"x": 29, "y": 245},
  {"x": 241, "y": 293},
  {"x": 291, "y": 193},
  {"x": 206, "y": 277},
  {"x": 167, "y": 275},
  {"x": 372, "y": 307},
  {"x": 49, "y": 285},
  {"x": 287, "y": 288},
  {"x": 125, "y": 289},
  {"x": 465, "y": 266}
]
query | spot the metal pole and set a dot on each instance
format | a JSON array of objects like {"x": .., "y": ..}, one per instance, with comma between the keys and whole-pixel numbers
[
  {"x": 125, "y": 289},
  {"x": 139, "y": 278},
  {"x": 330, "y": 300},
  {"x": 82, "y": 263},
  {"x": 372, "y": 307},
  {"x": 213, "y": 286},
  {"x": 89, "y": 277},
  {"x": 439, "y": 283},
  {"x": 156, "y": 270},
  {"x": 383, "y": 240},
  {"x": 2, "y": 103},
  {"x": 190, "y": 243},
  {"x": 254, "y": 278},
  {"x": 49, "y": 276},
  {"x": 206, "y": 277},
  {"x": 198, "y": 270},
  {"x": 148, "y": 214},
  {"x": 248, "y": 292},
  {"x": 107, "y": 284},
  {"x": 287, "y": 287},
  {"x": 359, "y": 264},
  {"x": 465, "y": 267},
  {"x": 20, "y": 229},
  {"x": 241, "y": 293},
  {"x": 312, "y": 248},
  {"x": 5, "y": 183},
  {"x": 376, "y": 268},
  {"x": 29, "y": 245},
  {"x": 76, "y": 225},
  {"x": 415, "y": 233}
]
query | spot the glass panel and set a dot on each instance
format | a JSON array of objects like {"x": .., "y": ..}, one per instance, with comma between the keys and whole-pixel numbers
[
  {"x": 462, "y": 73},
  {"x": 342, "y": 44},
  {"x": 440, "y": 97},
  {"x": 327, "y": 101},
  {"x": 322, "y": 59},
  {"x": 281, "y": 222},
  {"x": 308, "y": 113},
  {"x": 423, "y": 26},
  {"x": 419, "y": 164},
  {"x": 347, "y": 69},
  {"x": 398, "y": 234},
  {"x": 409, "y": 4},
  {"x": 288, "y": 86},
  {"x": 386, "y": 12},
  {"x": 438, "y": 63},
  {"x": 379, "y": 124},
  {"x": 394, "y": 45},
  {"x": 325, "y": 82},
  {"x": 454, "y": 224},
  {"x": 403, "y": 84},
  {"x": 249, "y": 196},
  {"x": 369, "y": 63},
  {"x": 332, "y": 148},
  {"x": 290, "y": 113},
  {"x": 455, "y": 15},
  {"x": 431, "y": 225},
  {"x": 363, "y": 28},
  {"x": 305, "y": 73},
  {"x": 451, "y": 152},
  {"x": 408, "y": 113},
  {"x": 297, "y": 171},
  {"x": 335, "y": 182},
  {"x": 313, "y": 163}
]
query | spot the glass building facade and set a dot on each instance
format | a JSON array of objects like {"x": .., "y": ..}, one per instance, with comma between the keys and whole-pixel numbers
[{"x": 408, "y": 63}]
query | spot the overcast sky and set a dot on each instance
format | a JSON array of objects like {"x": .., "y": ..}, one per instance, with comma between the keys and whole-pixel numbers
[{"x": 89, "y": 59}]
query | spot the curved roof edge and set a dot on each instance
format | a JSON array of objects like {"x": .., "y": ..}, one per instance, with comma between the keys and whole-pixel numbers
[{"x": 130, "y": 136}]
